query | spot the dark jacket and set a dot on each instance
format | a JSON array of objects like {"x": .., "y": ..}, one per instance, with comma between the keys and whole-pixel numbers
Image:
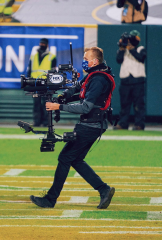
[{"x": 97, "y": 86}]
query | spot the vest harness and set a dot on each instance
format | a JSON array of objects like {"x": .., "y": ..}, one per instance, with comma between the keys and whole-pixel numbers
[{"x": 100, "y": 113}]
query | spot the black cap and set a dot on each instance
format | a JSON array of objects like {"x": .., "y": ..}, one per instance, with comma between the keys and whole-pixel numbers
[{"x": 44, "y": 40}]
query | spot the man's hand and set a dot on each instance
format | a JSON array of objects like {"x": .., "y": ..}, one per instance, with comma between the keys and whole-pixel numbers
[
  {"x": 130, "y": 46},
  {"x": 52, "y": 106}
]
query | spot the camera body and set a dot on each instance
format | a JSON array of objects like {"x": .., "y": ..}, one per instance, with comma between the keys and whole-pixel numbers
[
  {"x": 123, "y": 42},
  {"x": 126, "y": 38},
  {"x": 52, "y": 80}
]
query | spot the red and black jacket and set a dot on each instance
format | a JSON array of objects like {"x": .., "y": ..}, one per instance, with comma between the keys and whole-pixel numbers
[{"x": 102, "y": 103}]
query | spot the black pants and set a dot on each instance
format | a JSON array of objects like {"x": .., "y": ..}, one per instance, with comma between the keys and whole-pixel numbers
[
  {"x": 73, "y": 154},
  {"x": 132, "y": 94},
  {"x": 40, "y": 115}
]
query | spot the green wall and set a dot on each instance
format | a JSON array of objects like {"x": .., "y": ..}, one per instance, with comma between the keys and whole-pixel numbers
[{"x": 151, "y": 38}]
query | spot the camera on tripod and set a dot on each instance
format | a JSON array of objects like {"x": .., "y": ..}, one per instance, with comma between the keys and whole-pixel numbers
[{"x": 46, "y": 86}]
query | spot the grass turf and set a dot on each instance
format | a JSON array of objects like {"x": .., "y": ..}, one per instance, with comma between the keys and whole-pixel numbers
[{"x": 110, "y": 153}]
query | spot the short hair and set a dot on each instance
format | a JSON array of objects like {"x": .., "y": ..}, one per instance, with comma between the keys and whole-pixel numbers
[{"x": 98, "y": 53}]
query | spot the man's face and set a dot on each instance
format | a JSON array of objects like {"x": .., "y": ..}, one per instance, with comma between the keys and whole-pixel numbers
[
  {"x": 42, "y": 44},
  {"x": 92, "y": 61}
]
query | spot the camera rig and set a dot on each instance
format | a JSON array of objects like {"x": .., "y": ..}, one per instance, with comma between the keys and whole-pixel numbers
[{"x": 52, "y": 81}]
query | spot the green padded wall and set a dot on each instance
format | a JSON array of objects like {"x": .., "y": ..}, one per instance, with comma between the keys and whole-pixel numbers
[
  {"x": 151, "y": 38},
  {"x": 154, "y": 70}
]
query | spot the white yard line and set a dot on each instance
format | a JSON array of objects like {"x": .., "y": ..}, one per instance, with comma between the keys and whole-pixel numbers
[
  {"x": 70, "y": 226},
  {"x": 157, "y": 200},
  {"x": 79, "y": 190},
  {"x": 75, "y": 218},
  {"x": 132, "y": 138},
  {"x": 77, "y": 174},
  {"x": 125, "y": 232},
  {"x": 67, "y": 202},
  {"x": 71, "y": 214},
  {"x": 76, "y": 199},
  {"x": 14, "y": 172},
  {"x": 86, "y": 184},
  {"x": 154, "y": 215},
  {"x": 124, "y": 138},
  {"x": 110, "y": 167}
]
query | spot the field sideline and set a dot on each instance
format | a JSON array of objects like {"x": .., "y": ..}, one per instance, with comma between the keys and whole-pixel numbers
[{"x": 129, "y": 161}]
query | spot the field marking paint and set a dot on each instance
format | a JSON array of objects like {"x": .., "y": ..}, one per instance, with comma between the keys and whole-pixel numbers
[
  {"x": 67, "y": 202},
  {"x": 78, "y": 190},
  {"x": 70, "y": 226},
  {"x": 75, "y": 218},
  {"x": 77, "y": 174},
  {"x": 157, "y": 200},
  {"x": 130, "y": 184},
  {"x": 125, "y": 232},
  {"x": 15, "y": 201},
  {"x": 132, "y": 138},
  {"x": 154, "y": 215},
  {"x": 71, "y": 213},
  {"x": 14, "y": 136},
  {"x": 78, "y": 199},
  {"x": 123, "y": 138},
  {"x": 111, "y": 177},
  {"x": 104, "y": 167},
  {"x": 14, "y": 172}
]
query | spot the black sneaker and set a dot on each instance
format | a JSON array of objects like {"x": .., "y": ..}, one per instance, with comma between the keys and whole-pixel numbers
[
  {"x": 42, "y": 202},
  {"x": 106, "y": 198}
]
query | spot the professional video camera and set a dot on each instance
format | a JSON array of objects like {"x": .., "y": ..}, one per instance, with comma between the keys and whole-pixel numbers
[
  {"x": 45, "y": 87},
  {"x": 126, "y": 38}
]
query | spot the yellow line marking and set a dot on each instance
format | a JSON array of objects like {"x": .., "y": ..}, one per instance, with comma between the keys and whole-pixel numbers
[
  {"x": 94, "y": 12},
  {"x": 50, "y": 25}
]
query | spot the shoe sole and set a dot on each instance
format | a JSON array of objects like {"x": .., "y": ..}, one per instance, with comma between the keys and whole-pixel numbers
[
  {"x": 39, "y": 205},
  {"x": 108, "y": 201}
]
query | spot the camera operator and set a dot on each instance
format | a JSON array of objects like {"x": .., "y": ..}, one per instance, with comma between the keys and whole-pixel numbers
[
  {"x": 134, "y": 11},
  {"x": 95, "y": 88},
  {"x": 42, "y": 61},
  {"x": 131, "y": 56}
]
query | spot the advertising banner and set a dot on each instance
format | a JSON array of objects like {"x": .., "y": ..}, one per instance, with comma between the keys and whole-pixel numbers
[{"x": 18, "y": 43}]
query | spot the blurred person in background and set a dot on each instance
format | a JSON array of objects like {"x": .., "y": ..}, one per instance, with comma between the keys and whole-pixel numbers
[
  {"x": 134, "y": 11},
  {"x": 6, "y": 8},
  {"x": 131, "y": 56},
  {"x": 42, "y": 61},
  {"x": 95, "y": 96}
]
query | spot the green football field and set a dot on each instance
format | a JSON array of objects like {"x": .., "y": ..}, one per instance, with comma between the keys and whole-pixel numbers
[{"x": 130, "y": 161}]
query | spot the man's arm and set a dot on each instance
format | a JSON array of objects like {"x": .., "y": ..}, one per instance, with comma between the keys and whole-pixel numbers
[
  {"x": 120, "y": 56},
  {"x": 135, "y": 4},
  {"x": 10, "y": 3},
  {"x": 120, "y": 3},
  {"x": 95, "y": 89},
  {"x": 140, "y": 56}
]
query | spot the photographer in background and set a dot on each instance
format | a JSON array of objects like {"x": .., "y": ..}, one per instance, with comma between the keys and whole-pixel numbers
[
  {"x": 131, "y": 56},
  {"x": 42, "y": 61},
  {"x": 95, "y": 96},
  {"x": 134, "y": 11}
]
